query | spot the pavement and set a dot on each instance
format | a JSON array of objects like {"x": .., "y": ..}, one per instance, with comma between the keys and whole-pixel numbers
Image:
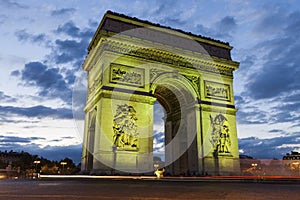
[
  {"x": 185, "y": 178},
  {"x": 149, "y": 187}
]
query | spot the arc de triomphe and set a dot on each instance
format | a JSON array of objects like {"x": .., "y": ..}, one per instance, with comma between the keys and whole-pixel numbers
[{"x": 133, "y": 63}]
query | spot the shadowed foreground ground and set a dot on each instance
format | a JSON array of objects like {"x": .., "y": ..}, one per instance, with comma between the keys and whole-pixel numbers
[{"x": 146, "y": 189}]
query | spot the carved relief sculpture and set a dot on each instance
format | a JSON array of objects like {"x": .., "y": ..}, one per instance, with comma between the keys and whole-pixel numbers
[
  {"x": 154, "y": 73},
  {"x": 194, "y": 80},
  {"x": 125, "y": 129},
  {"x": 126, "y": 75},
  {"x": 217, "y": 91},
  {"x": 220, "y": 136}
]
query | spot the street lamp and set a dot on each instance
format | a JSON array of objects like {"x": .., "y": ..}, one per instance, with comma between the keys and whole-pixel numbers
[
  {"x": 36, "y": 162},
  {"x": 63, "y": 165},
  {"x": 254, "y": 165}
]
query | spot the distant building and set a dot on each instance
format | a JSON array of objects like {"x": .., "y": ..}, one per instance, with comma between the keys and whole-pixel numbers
[
  {"x": 294, "y": 155},
  {"x": 291, "y": 162},
  {"x": 249, "y": 165}
]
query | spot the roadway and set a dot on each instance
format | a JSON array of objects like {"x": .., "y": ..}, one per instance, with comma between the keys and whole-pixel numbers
[{"x": 147, "y": 188}]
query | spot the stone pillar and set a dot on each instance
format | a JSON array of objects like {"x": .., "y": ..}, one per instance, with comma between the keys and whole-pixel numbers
[
  {"x": 220, "y": 141},
  {"x": 124, "y": 139}
]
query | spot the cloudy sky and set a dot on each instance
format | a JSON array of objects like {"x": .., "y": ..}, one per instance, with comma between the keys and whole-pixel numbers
[{"x": 43, "y": 44}]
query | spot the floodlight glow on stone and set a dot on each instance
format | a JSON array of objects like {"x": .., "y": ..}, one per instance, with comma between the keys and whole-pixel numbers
[{"x": 190, "y": 76}]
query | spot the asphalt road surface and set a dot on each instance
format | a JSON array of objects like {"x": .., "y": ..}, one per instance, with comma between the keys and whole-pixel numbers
[{"x": 145, "y": 189}]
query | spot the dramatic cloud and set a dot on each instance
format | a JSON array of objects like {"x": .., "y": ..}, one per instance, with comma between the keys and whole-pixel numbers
[
  {"x": 11, "y": 4},
  {"x": 158, "y": 141},
  {"x": 13, "y": 139},
  {"x": 270, "y": 82},
  {"x": 63, "y": 11},
  {"x": 70, "y": 29},
  {"x": 6, "y": 98},
  {"x": 225, "y": 28},
  {"x": 269, "y": 148},
  {"x": 246, "y": 64},
  {"x": 69, "y": 50},
  {"x": 56, "y": 82},
  {"x": 271, "y": 71},
  {"x": 159, "y": 144},
  {"x": 176, "y": 22},
  {"x": 24, "y": 36},
  {"x": 221, "y": 30},
  {"x": 15, "y": 73},
  {"x": 271, "y": 22},
  {"x": 73, "y": 49},
  {"x": 49, "y": 80},
  {"x": 227, "y": 24},
  {"x": 37, "y": 111},
  {"x": 275, "y": 131},
  {"x": 280, "y": 71},
  {"x": 252, "y": 117},
  {"x": 269, "y": 112}
]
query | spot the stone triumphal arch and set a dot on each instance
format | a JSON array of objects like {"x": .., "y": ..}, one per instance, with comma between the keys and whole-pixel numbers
[{"x": 133, "y": 63}]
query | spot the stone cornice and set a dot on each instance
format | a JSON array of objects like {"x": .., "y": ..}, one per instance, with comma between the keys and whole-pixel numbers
[{"x": 205, "y": 63}]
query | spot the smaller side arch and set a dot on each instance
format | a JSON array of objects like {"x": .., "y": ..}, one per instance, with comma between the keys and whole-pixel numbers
[{"x": 91, "y": 140}]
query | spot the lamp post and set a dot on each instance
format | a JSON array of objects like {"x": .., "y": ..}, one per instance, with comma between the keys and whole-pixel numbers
[
  {"x": 63, "y": 165},
  {"x": 36, "y": 162}
]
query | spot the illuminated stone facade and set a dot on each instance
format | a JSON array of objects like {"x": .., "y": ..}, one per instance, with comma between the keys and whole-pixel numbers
[{"x": 133, "y": 63}]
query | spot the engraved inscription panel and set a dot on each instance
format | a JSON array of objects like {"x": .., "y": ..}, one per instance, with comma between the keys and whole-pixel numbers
[
  {"x": 127, "y": 75},
  {"x": 218, "y": 91}
]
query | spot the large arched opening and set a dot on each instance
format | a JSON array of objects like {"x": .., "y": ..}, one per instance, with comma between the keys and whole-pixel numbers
[{"x": 178, "y": 100}]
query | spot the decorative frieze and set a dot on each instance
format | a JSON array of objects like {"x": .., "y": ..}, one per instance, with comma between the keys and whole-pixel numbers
[
  {"x": 217, "y": 91},
  {"x": 169, "y": 58},
  {"x": 127, "y": 75}
]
